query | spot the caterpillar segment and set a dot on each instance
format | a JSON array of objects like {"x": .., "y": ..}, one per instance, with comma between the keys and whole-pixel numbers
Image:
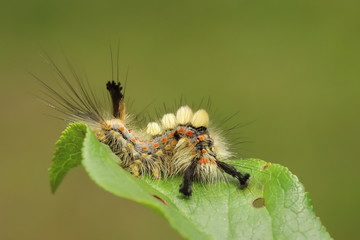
[{"x": 181, "y": 144}]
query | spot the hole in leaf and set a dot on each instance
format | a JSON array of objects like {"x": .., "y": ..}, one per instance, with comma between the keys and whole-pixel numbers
[
  {"x": 160, "y": 199},
  {"x": 258, "y": 202}
]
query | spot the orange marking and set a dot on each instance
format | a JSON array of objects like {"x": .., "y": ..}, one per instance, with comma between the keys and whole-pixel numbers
[
  {"x": 156, "y": 145},
  {"x": 197, "y": 141},
  {"x": 202, "y": 138},
  {"x": 150, "y": 140},
  {"x": 144, "y": 148},
  {"x": 190, "y": 133},
  {"x": 121, "y": 129},
  {"x": 133, "y": 140},
  {"x": 203, "y": 150},
  {"x": 203, "y": 161},
  {"x": 171, "y": 134},
  {"x": 181, "y": 130},
  {"x": 164, "y": 140},
  {"x": 198, "y": 151}
]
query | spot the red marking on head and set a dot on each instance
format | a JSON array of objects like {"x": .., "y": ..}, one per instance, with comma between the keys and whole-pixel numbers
[
  {"x": 156, "y": 145},
  {"x": 203, "y": 161},
  {"x": 181, "y": 130},
  {"x": 202, "y": 138},
  {"x": 190, "y": 133},
  {"x": 144, "y": 148},
  {"x": 164, "y": 139}
]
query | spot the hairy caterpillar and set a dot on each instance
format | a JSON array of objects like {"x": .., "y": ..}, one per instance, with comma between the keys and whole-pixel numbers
[{"x": 180, "y": 143}]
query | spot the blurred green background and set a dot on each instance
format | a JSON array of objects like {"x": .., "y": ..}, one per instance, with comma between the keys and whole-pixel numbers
[{"x": 290, "y": 67}]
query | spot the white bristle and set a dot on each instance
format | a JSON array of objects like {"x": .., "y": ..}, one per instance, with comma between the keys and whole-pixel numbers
[
  {"x": 200, "y": 119},
  {"x": 153, "y": 129},
  {"x": 169, "y": 121},
  {"x": 184, "y": 115}
]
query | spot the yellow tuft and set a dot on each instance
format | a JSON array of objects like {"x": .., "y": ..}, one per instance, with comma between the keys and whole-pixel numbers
[
  {"x": 169, "y": 121},
  {"x": 159, "y": 153},
  {"x": 200, "y": 119},
  {"x": 184, "y": 115},
  {"x": 137, "y": 162},
  {"x": 153, "y": 129}
]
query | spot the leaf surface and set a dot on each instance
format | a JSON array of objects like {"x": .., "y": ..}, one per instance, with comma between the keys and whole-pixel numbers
[
  {"x": 274, "y": 206},
  {"x": 67, "y": 154}
]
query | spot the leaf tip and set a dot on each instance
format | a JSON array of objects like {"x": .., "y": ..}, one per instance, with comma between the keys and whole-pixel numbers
[{"x": 53, "y": 188}]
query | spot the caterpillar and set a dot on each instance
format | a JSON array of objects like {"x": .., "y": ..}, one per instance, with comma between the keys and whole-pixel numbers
[{"x": 180, "y": 143}]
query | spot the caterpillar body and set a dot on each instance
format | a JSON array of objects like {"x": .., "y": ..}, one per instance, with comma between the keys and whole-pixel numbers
[{"x": 180, "y": 143}]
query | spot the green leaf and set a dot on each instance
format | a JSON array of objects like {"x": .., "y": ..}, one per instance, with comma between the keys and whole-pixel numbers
[
  {"x": 67, "y": 154},
  {"x": 274, "y": 206}
]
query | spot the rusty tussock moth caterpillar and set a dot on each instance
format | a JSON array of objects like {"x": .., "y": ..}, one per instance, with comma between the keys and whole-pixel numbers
[{"x": 179, "y": 143}]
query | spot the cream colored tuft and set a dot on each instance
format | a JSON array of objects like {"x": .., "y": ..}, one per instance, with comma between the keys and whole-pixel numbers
[
  {"x": 200, "y": 119},
  {"x": 221, "y": 146},
  {"x": 153, "y": 129},
  {"x": 184, "y": 115},
  {"x": 169, "y": 121}
]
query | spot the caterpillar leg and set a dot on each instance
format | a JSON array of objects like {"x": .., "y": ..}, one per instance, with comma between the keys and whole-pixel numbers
[
  {"x": 243, "y": 178},
  {"x": 186, "y": 186},
  {"x": 190, "y": 174}
]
